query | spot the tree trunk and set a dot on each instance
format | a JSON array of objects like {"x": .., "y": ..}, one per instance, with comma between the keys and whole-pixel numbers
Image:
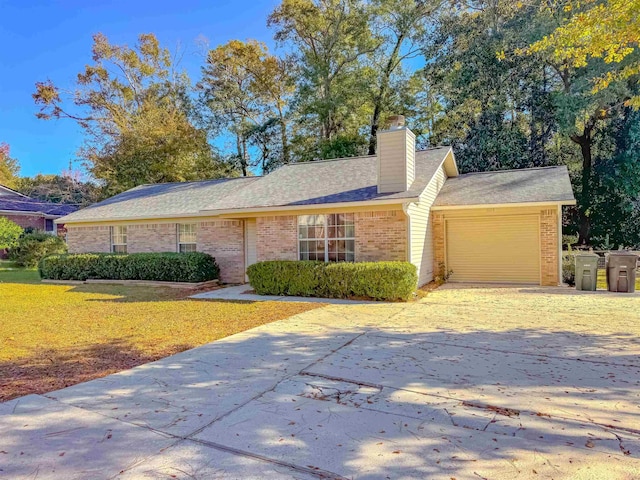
[
  {"x": 585, "y": 143},
  {"x": 392, "y": 63},
  {"x": 285, "y": 141}
]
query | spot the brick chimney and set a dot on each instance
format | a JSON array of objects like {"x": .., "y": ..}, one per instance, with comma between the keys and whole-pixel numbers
[{"x": 396, "y": 157}]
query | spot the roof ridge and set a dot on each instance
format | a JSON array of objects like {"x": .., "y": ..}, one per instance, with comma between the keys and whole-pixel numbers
[
  {"x": 327, "y": 160},
  {"x": 548, "y": 167}
]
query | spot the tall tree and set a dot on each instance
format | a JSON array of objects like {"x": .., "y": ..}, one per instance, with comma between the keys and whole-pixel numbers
[
  {"x": 497, "y": 110},
  {"x": 331, "y": 39},
  {"x": 9, "y": 167},
  {"x": 66, "y": 188},
  {"x": 133, "y": 107},
  {"x": 400, "y": 24},
  {"x": 594, "y": 56},
  {"x": 246, "y": 92}
]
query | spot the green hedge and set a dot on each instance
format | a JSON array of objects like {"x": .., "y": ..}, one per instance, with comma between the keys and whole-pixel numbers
[
  {"x": 33, "y": 247},
  {"x": 168, "y": 267},
  {"x": 376, "y": 280}
]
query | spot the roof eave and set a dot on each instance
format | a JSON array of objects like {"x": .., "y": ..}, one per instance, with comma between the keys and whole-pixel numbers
[
  {"x": 503, "y": 205},
  {"x": 284, "y": 208}
]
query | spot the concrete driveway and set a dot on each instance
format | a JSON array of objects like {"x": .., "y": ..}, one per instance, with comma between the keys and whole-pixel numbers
[{"x": 506, "y": 383}]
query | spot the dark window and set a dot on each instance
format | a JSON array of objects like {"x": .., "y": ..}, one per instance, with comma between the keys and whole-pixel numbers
[{"x": 48, "y": 225}]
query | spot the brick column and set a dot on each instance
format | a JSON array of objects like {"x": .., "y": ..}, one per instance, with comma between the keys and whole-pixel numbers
[
  {"x": 224, "y": 240},
  {"x": 437, "y": 225},
  {"x": 549, "y": 247}
]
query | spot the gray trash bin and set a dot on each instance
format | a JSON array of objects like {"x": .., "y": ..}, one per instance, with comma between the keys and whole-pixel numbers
[
  {"x": 621, "y": 272},
  {"x": 586, "y": 271}
]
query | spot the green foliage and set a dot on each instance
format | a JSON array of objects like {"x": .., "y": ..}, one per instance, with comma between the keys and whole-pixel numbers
[
  {"x": 66, "y": 188},
  {"x": 135, "y": 110},
  {"x": 8, "y": 167},
  {"x": 9, "y": 233},
  {"x": 569, "y": 266},
  {"x": 33, "y": 247},
  {"x": 377, "y": 280},
  {"x": 245, "y": 93},
  {"x": 169, "y": 267}
]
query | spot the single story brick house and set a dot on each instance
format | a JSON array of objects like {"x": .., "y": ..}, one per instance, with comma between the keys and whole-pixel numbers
[
  {"x": 31, "y": 213},
  {"x": 400, "y": 204}
]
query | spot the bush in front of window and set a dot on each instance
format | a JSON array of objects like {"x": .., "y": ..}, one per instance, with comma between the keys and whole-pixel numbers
[
  {"x": 375, "y": 280},
  {"x": 33, "y": 247},
  {"x": 168, "y": 267}
]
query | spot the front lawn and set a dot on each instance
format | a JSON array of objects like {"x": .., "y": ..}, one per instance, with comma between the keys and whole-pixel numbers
[{"x": 52, "y": 336}]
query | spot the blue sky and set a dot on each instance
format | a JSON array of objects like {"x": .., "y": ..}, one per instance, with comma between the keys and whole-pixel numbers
[{"x": 52, "y": 40}]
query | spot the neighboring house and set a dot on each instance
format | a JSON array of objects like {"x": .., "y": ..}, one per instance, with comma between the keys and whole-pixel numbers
[
  {"x": 399, "y": 205},
  {"x": 30, "y": 213}
]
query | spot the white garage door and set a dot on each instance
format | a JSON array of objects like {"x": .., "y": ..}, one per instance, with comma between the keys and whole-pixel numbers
[{"x": 500, "y": 249}]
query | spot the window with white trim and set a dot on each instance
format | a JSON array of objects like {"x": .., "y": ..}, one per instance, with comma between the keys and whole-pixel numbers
[
  {"x": 327, "y": 238},
  {"x": 119, "y": 239},
  {"x": 186, "y": 237}
]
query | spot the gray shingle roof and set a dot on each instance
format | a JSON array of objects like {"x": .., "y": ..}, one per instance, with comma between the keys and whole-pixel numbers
[
  {"x": 545, "y": 184},
  {"x": 329, "y": 181},
  {"x": 310, "y": 183},
  {"x": 171, "y": 199},
  {"x": 26, "y": 204}
]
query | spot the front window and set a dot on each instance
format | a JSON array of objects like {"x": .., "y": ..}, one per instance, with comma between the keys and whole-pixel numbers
[
  {"x": 186, "y": 237},
  {"x": 328, "y": 238},
  {"x": 48, "y": 225},
  {"x": 119, "y": 239}
]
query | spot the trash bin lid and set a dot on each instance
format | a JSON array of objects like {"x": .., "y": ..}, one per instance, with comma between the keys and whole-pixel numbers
[{"x": 587, "y": 255}]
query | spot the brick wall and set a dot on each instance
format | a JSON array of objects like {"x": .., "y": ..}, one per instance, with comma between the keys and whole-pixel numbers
[
  {"x": 277, "y": 238},
  {"x": 437, "y": 225},
  {"x": 27, "y": 221},
  {"x": 549, "y": 247},
  {"x": 152, "y": 237},
  {"x": 381, "y": 236},
  {"x": 88, "y": 239},
  {"x": 224, "y": 239}
]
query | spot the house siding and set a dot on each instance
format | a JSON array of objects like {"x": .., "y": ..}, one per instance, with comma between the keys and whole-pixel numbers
[
  {"x": 396, "y": 160},
  {"x": 381, "y": 236},
  {"x": 151, "y": 237},
  {"x": 89, "y": 239},
  {"x": 420, "y": 231},
  {"x": 224, "y": 240},
  {"x": 277, "y": 238},
  {"x": 27, "y": 221}
]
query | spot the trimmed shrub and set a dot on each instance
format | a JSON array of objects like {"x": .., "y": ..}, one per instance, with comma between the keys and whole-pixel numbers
[
  {"x": 168, "y": 267},
  {"x": 33, "y": 247},
  {"x": 9, "y": 233},
  {"x": 569, "y": 268},
  {"x": 376, "y": 280}
]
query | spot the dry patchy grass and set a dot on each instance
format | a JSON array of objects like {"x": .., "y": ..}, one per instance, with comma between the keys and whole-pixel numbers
[{"x": 52, "y": 336}]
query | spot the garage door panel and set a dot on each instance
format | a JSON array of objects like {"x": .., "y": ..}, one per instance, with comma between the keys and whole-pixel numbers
[{"x": 502, "y": 249}]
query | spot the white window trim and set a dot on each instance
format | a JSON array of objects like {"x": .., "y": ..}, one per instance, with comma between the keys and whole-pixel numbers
[
  {"x": 113, "y": 244},
  {"x": 326, "y": 236},
  {"x": 195, "y": 234}
]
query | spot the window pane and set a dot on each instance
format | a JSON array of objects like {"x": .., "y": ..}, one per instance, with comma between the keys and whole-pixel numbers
[
  {"x": 119, "y": 249},
  {"x": 187, "y": 247},
  {"x": 187, "y": 233},
  {"x": 350, "y": 246},
  {"x": 349, "y": 231},
  {"x": 303, "y": 231}
]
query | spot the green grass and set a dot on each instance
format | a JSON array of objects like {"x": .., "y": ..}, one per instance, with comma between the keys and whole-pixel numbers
[
  {"x": 52, "y": 336},
  {"x": 602, "y": 280}
]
